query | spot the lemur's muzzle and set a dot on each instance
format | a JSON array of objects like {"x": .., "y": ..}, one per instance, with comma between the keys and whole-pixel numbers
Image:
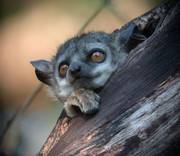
[{"x": 75, "y": 70}]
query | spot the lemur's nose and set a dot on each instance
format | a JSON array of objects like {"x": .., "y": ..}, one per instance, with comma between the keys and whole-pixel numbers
[{"x": 75, "y": 69}]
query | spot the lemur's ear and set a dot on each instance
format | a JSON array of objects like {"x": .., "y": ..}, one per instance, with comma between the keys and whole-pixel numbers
[
  {"x": 43, "y": 70},
  {"x": 128, "y": 37}
]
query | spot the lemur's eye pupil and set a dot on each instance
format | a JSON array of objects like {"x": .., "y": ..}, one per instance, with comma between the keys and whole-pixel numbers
[
  {"x": 97, "y": 56},
  {"x": 63, "y": 70}
]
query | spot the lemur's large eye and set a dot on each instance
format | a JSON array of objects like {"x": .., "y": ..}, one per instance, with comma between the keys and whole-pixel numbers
[
  {"x": 97, "y": 56},
  {"x": 63, "y": 70}
]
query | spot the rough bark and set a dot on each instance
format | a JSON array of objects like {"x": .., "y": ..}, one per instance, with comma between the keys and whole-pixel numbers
[{"x": 140, "y": 106}]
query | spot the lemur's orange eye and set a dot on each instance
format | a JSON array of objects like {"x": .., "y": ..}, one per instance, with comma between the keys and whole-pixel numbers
[
  {"x": 63, "y": 70},
  {"x": 97, "y": 56}
]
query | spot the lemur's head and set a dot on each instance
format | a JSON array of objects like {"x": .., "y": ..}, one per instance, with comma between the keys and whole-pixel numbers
[{"x": 86, "y": 61}]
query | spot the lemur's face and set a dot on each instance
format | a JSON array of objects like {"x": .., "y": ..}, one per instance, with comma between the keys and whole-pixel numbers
[
  {"x": 83, "y": 69},
  {"x": 86, "y": 62},
  {"x": 83, "y": 63}
]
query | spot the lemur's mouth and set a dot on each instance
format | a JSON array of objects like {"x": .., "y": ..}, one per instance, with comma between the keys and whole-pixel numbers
[
  {"x": 73, "y": 79},
  {"x": 78, "y": 79}
]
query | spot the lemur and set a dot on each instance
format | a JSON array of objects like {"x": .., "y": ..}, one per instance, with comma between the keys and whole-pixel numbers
[{"x": 85, "y": 63}]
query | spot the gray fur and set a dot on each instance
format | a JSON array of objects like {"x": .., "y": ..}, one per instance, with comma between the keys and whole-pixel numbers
[
  {"x": 93, "y": 75},
  {"x": 75, "y": 52}
]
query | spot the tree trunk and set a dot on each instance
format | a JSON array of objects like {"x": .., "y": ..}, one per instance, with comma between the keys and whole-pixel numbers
[{"x": 140, "y": 106}]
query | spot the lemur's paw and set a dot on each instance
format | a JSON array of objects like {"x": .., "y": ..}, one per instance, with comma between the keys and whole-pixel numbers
[{"x": 82, "y": 101}]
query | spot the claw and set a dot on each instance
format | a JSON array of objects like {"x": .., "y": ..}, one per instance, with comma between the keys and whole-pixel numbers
[{"x": 82, "y": 101}]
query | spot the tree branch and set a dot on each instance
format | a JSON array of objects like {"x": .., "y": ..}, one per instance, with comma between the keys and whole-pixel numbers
[{"x": 139, "y": 112}]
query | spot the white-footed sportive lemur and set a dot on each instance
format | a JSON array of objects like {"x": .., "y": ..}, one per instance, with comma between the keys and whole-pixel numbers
[{"x": 84, "y": 64}]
